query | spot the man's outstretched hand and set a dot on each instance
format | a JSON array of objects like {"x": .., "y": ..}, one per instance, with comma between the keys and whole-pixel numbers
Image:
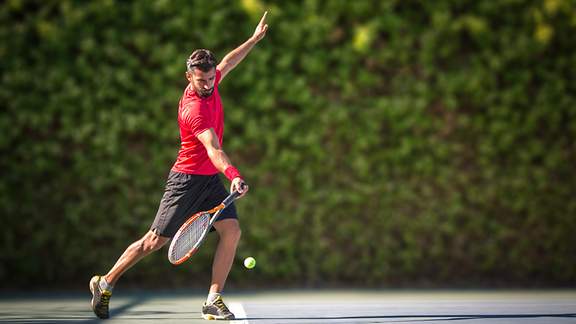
[{"x": 261, "y": 29}]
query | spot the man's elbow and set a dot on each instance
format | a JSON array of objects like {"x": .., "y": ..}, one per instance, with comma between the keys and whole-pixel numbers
[{"x": 224, "y": 65}]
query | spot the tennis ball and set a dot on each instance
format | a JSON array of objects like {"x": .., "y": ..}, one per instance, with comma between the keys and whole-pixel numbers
[{"x": 249, "y": 262}]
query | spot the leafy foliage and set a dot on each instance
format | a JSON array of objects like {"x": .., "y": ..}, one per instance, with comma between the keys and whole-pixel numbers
[{"x": 386, "y": 142}]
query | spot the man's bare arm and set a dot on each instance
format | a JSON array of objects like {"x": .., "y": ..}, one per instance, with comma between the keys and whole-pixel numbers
[
  {"x": 238, "y": 54},
  {"x": 218, "y": 157}
]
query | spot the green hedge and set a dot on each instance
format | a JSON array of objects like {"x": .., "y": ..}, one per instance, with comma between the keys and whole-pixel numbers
[{"x": 387, "y": 143}]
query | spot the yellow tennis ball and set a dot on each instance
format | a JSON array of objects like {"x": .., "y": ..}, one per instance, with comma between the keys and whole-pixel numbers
[{"x": 249, "y": 262}]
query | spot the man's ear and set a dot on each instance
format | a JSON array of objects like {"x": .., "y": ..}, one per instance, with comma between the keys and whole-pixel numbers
[{"x": 189, "y": 76}]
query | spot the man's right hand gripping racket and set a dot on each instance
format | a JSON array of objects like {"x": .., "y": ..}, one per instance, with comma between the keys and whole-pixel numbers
[{"x": 193, "y": 232}]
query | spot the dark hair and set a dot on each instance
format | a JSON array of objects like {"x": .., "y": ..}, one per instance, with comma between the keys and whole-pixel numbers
[{"x": 202, "y": 59}]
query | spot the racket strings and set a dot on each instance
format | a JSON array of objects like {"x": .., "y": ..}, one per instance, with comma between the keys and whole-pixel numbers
[{"x": 189, "y": 237}]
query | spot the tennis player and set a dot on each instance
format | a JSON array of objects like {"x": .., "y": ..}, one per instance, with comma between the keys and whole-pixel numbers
[{"x": 193, "y": 183}]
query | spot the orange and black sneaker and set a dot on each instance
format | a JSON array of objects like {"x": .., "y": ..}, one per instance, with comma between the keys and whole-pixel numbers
[
  {"x": 216, "y": 310},
  {"x": 100, "y": 298}
]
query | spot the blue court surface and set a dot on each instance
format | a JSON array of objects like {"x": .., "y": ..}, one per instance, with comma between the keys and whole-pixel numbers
[{"x": 309, "y": 306}]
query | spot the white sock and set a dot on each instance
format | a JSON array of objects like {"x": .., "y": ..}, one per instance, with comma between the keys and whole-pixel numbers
[
  {"x": 212, "y": 297},
  {"x": 104, "y": 285}
]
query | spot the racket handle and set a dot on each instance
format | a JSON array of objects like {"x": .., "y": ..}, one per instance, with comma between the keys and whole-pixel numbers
[{"x": 231, "y": 197}]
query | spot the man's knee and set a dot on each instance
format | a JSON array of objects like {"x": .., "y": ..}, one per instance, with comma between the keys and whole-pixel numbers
[
  {"x": 236, "y": 233},
  {"x": 229, "y": 229},
  {"x": 152, "y": 242}
]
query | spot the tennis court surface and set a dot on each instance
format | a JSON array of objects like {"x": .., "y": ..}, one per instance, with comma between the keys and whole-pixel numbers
[{"x": 310, "y": 306}]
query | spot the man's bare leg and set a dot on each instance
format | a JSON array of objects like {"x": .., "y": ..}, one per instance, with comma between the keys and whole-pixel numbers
[
  {"x": 229, "y": 231},
  {"x": 101, "y": 286},
  {"x": 149, "y": 243}
]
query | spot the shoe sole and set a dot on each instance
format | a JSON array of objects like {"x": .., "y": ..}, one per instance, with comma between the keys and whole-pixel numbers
[
  {"x": 211, "y": 317},
  {"x": 208, "y": 317}
]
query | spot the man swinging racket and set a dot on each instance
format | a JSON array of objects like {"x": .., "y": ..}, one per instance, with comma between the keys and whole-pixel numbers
[{"x": 193, "y": 183}]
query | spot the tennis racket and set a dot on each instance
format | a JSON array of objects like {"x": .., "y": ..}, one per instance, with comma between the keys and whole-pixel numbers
[{"x": 193, "y": 232}]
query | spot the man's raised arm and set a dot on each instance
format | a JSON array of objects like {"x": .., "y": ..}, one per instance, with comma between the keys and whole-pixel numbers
[{"x": 237, "y": 55}]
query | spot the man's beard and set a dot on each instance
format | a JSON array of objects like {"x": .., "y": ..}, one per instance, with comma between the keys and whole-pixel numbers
[{"x": 205, "y": 93}]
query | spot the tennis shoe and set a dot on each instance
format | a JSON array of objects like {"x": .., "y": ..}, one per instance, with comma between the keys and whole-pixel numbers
[
  {"x": 100, "y": 298},
  {"x": 216, "y": 310}
]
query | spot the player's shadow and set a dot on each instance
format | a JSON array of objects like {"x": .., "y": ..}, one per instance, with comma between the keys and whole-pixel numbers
[
  {"x": 415, "y": 318},
  {"x": 121, "y": 309},
  {"x": 83, "y": 316},
  {"x": 151, "y": 315}
]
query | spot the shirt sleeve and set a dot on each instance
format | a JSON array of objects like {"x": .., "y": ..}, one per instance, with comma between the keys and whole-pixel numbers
[{"x": 193, "y": 119}]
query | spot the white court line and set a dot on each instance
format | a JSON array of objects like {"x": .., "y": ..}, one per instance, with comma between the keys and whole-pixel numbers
[{"x": 238, "y": 310}]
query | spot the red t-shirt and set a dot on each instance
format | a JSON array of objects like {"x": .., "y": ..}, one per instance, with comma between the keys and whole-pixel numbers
[{"x": 195, "y": 115}]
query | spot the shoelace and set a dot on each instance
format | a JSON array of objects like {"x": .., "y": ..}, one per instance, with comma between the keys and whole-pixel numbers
[
  {"x": 220, "y": 304},
  {"x": 105, "y": 299}
]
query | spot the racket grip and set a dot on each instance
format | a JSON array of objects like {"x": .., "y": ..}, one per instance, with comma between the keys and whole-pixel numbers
[{"x": 231, "y": 197}]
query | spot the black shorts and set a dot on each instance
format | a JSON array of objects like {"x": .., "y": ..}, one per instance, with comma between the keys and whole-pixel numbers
[{"x": 185, "y": 195}]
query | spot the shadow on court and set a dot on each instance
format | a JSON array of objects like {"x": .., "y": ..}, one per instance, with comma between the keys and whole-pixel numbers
[
  {"x": 65, "y": 313},
  {"x": 413, "y": 318}
]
